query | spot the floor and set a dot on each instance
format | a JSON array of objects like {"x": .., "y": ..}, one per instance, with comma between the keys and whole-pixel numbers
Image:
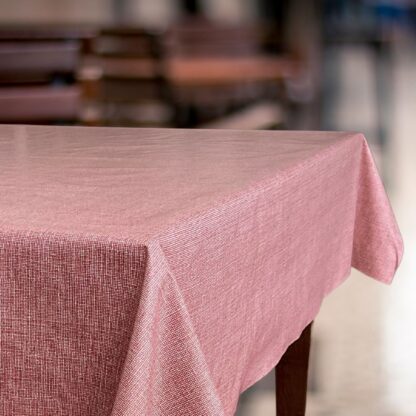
[{"x": 364, "y": 339}]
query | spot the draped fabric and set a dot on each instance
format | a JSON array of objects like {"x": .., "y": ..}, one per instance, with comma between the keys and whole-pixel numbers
[{"x": 163, "y": 271}]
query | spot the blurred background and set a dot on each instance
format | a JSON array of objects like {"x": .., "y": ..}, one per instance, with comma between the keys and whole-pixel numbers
[{"x": 250, "y": 64}]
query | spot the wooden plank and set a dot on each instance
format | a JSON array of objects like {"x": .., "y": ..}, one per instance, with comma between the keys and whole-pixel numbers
[
  {"x": 24, "y": 32},
  {"x": 40, "y": 103},
  {"x": 220, "y": 70},
  {"x": 258, "y": 116},
  {"x": 19, "y": 58}
]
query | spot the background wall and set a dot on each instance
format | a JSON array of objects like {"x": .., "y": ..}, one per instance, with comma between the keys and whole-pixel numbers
[
  {"x": 149, "y": 12},
  {"x": 64, "y": 11}
]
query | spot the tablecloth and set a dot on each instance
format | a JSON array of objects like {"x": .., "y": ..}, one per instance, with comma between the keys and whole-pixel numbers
[{"x": 163, "y": 271}]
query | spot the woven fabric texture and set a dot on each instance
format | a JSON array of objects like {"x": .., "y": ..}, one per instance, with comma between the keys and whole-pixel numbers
[{"x": 162, "y": 272}]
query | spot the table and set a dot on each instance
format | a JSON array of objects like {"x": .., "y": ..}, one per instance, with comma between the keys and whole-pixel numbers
[{"x": 163, "y": 271}]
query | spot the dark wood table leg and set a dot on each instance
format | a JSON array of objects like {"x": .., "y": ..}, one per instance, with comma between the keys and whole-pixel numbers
[{"x": 292, "y": 377}]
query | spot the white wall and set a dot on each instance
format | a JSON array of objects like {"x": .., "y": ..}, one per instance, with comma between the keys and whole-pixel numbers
[
  {"x": 55, "y": 11},
  {"x": 233, "y": 11},
  {"x": 147, "y": 12},
  {"x": 152, "y": 12}
]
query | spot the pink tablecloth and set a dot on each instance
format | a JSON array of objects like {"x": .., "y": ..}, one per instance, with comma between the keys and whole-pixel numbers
[{"x": 162, "y": 272}]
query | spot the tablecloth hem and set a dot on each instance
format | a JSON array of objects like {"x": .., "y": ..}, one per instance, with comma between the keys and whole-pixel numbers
[{"x": 274, "y": 362}]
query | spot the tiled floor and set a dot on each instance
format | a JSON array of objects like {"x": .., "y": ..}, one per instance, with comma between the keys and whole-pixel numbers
[{"x": 364, "y": 347}]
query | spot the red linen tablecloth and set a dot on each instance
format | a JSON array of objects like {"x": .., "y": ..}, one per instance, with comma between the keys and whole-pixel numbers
[{"x": 162, "y": 272}]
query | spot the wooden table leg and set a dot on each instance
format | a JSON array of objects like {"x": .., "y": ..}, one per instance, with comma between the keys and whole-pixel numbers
[{"x": 292, "y": 377}]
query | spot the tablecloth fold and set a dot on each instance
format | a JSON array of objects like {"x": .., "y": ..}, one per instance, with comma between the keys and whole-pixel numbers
[{"x": 240, "y": 282}]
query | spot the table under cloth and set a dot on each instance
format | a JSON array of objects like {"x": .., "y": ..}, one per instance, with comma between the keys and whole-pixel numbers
[{"x": 163, "y": 271}]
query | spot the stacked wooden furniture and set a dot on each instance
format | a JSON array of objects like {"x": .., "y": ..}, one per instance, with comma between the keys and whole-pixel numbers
[
  {"x": 215, "y": 69},
  {"x": 38, "y": 66},
  {"x": 196, "y": 72},
  {"x": 123, "y": 79}
]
